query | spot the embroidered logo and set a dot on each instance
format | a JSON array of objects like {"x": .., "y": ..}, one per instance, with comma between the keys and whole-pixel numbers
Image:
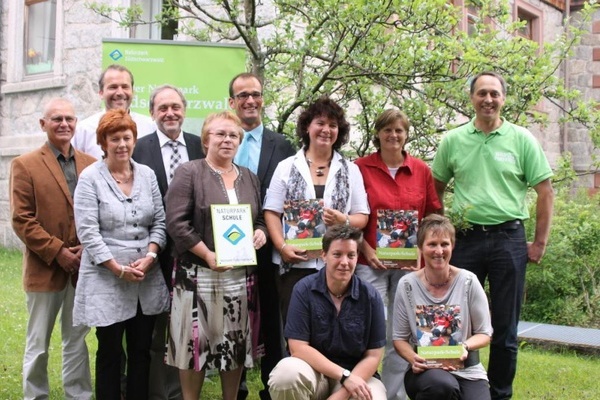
[{"x": 505, "y": 157}]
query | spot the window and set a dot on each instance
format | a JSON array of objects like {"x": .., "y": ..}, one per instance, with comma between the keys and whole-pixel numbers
[
  {"x": 40, "y": 36},
  {"x": 470, "y": 15},
  {"x": 472, "y": 20},
  {"x": 34, "y": 37},
  {"x": 150, "y": 9},
  {"x": 533, "y": 19}
]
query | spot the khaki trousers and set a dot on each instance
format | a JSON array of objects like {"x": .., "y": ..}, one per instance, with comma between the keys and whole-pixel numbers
[{"x": 294, "y": 379}]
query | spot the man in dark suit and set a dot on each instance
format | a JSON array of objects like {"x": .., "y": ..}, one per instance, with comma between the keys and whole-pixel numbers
[
  {"x": 163, "y": 151},
  {"x": 42, "y": 183},
  {"x": 261, "y": 151}
]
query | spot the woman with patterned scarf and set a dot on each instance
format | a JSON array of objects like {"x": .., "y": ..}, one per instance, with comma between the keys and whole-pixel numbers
[{"x": 318, "y": 171}]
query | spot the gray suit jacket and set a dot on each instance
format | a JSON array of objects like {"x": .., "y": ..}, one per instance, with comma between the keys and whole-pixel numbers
[{"x": 113, "y": 225}]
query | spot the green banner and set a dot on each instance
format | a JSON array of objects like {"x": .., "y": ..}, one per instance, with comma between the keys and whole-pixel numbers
[{"x": 201, "y": 70}]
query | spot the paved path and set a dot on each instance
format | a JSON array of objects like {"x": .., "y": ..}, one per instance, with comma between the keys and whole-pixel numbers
[{"x": 584, "y": 339}]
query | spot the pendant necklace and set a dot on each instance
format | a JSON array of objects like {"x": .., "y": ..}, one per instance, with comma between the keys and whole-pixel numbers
[
  {"x": 124, "y": 181},
  {"x": 337, "y": 296},
  {"x": 320, "y": 171}
]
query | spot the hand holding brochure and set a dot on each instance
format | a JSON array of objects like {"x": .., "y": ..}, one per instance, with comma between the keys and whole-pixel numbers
[
  {"x": 397, "y": 237},
  {"x": 439, "y": 335},
  {"x": 303, "y": 225},
  {"x": 233, "y": 234}
]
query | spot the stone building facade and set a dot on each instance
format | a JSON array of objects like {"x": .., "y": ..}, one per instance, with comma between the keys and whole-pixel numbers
[{"x": 75, "y": 66}]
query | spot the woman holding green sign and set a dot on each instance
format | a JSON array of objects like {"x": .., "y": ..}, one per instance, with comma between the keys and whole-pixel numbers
[
  {"x": 401, "y": 192},
  {"x": 210, "y": 327}
]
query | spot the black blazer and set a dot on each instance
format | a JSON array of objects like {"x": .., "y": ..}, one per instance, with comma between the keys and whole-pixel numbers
[
  {"x": 147, "y": 151},
  {"x": 274, "y": 149}
]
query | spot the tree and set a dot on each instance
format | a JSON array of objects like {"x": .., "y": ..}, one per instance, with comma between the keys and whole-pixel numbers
[{"x": 373, "y": 54}]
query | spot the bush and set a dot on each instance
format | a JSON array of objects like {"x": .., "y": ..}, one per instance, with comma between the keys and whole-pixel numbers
[{"x": 564, "y": 288}]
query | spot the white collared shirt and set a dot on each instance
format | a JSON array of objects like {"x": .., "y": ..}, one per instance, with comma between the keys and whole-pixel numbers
[{"x": 167, "y": 150}]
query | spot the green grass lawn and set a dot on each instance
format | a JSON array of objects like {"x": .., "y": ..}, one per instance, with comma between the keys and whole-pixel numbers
[{"x": 542, "y": 374}]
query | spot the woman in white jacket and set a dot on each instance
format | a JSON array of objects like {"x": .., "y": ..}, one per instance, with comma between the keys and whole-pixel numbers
[{"x": 317, "y": 171}]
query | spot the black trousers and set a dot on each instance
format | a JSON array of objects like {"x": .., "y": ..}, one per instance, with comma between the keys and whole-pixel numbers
[
  {"x": 138, "y": 337},
  {"x": 437, "y": 384}
]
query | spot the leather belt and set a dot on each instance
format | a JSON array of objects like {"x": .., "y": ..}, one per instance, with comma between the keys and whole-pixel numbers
[{"x": 505, "y": 226}]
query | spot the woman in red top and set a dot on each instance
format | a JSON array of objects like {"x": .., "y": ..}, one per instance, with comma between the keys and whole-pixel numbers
[{"x": 394, "y": 181}]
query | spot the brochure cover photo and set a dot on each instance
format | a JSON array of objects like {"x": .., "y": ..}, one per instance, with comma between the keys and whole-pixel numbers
[
  {"x": 439, "y": 334},
  {"x": 303, "y": 225},
  {"x": 397, "y": 237}
]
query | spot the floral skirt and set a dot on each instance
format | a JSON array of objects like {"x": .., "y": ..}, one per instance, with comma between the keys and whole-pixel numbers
[{"x": 209, "y": 324}]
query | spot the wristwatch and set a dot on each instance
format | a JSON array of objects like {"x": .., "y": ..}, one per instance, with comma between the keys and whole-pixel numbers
[{"x": 345, "y": 375}]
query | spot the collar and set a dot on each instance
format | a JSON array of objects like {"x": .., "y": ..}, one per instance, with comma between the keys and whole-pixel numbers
[
  {"x": 502, "y": 129},
  {"x": 320, "y": 284},
  {"x": 256, "y": 133},
  {"x": 57, "y": 152},
  {"x": 164, "y": 139},
  {"x": 375, "y": 161}
]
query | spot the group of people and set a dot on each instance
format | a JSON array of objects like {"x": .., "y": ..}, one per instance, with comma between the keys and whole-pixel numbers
[{"x": 125, "y": 243}]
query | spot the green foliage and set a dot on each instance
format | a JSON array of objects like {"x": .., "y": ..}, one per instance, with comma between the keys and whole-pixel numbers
[
  {"x": 565, "y": 288},
  {"x": 372, "y": 55}
]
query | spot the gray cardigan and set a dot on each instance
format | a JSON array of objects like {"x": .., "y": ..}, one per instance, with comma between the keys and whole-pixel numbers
[
  {"x": 193, "y": 189},
  {"x": 112, "y": 225}
]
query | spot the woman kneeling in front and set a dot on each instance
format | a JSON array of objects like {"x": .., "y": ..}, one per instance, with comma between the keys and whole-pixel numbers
[{"x": 335, "y": 330}]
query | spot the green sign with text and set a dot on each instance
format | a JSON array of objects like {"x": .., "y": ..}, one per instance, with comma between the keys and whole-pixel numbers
[{"x": 201, "y": 70}]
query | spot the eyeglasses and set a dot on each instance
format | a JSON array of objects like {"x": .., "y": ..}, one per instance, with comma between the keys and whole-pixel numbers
[
  {"x": 60, "y": 119},
  {"x": 244, "y": 96},
  {"x": 223, "y": 135}
]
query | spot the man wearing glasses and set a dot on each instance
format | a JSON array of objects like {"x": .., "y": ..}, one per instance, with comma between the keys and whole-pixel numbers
[
  {"x": 42, "y": 183},
  {"x": 260, "y": 151}
]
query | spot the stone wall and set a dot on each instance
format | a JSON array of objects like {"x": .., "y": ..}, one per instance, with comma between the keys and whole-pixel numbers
[
  {"x": 20, "y": 111},
  {"x": 584, "y": 75}
]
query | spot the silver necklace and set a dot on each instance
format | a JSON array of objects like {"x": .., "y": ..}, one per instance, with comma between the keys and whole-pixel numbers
[{"x": 218, "y": 171}]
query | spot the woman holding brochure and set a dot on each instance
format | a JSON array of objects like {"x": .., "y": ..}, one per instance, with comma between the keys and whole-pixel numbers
[
  {"x": 317, "y": 171},
  {"x": 401, "y": 190},
  {"x": 452, "y": 294},
  {"x": 210, "y": 326}
]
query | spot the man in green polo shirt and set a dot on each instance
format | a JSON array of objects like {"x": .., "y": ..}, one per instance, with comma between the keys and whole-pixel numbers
[{"x": 493, "y": 162}]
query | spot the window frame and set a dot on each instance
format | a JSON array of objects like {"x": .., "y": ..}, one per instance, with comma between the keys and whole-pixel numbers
[
  {"x": 533, "y": 14},
  {"x": 16, "y": 78}
]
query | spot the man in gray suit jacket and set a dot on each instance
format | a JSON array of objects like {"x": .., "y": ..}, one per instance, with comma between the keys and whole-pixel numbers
[
  {"x": 163, "y": 151},
  {"x": 261, "y": 151}
]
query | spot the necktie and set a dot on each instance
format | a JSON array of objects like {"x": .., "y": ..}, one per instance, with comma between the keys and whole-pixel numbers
[{"x": 175, "y": 158}]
